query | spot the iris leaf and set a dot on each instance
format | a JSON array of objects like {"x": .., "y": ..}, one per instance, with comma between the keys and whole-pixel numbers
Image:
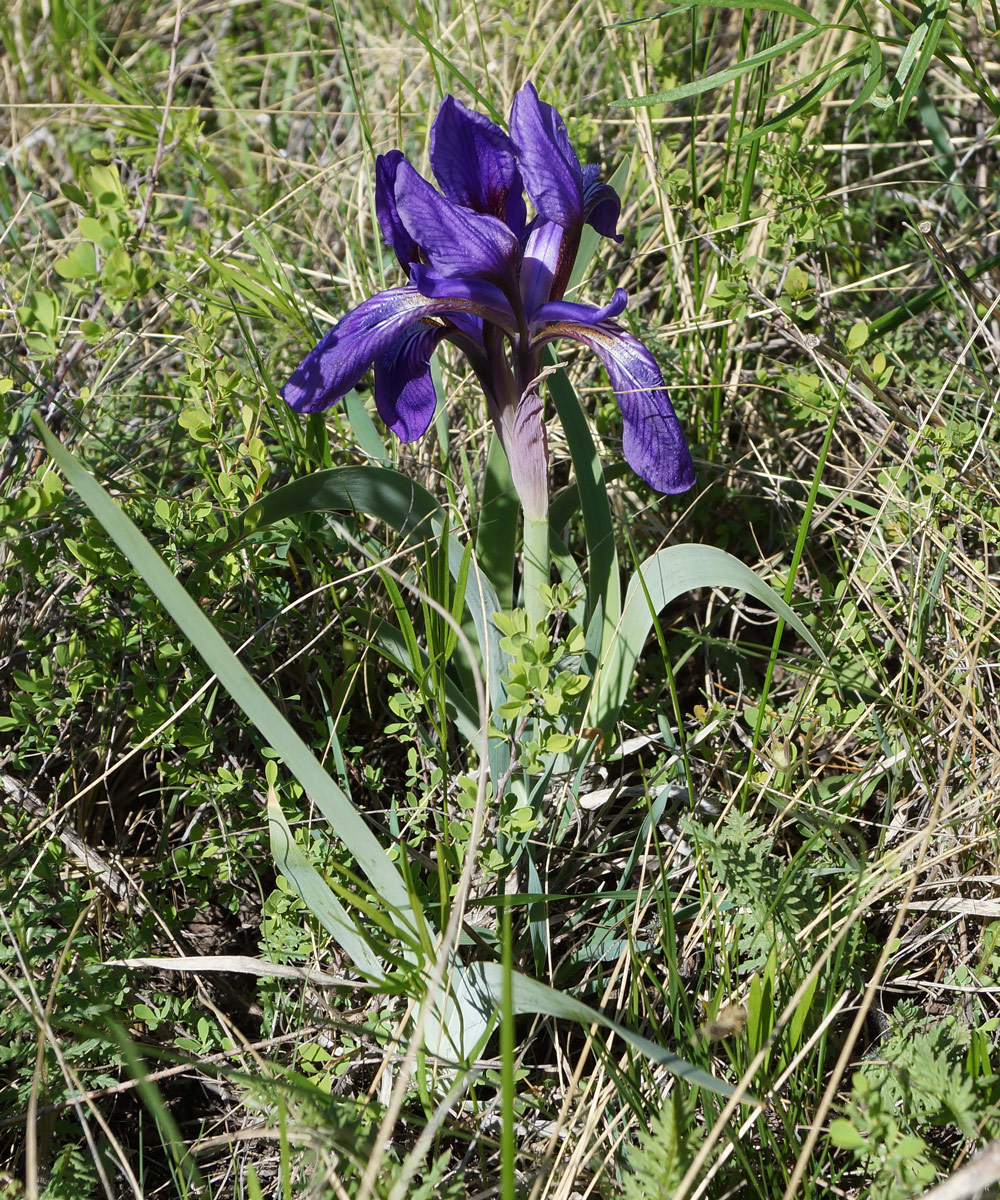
[
  {"x": 805, "y": 102},
  {"x": 363, "y": 427},
  {"x": 307, "y": 882},
  {"x": 234, "y": 677},
  {"x": 661, "y": 578},
  {"x": 603, "y": 582},
  {"x": 496, "y": 534},
  {"x": 531, "y": 996}
]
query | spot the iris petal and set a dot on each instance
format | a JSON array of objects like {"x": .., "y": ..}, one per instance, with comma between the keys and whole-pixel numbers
[
  {"x": 455, "y": 240},
  {"x": 469, "y": 327},
  {"x": 581, "y": 314},
  {"x": 476, "y": 296},
  {"x": 393, "y": 229},
  {"x": 602, "y": 205},
  {"x": 475, "y": 163},
  {"x": 540, "y": 264},
  {"x": 341, "y": 358},
  {"x": 653, "y": 441},
  {"x": 404, "y": 390},
  {"x": 553, "y": 177}
]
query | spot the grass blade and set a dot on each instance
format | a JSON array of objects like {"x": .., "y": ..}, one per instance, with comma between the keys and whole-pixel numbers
[
  {"x": 414, "y": 513},
  {"x": 778, "y": 6},
  {"x": 697, "y": 86},
  {"x": 910, "y": 74}
]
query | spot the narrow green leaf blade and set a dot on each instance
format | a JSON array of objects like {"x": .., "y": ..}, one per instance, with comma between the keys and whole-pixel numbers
[
  {"x": 414, "y": 513},
  {"x": 697, "y": 86},
  {"x": 778, "y": 6},
  {"x": 603, "y": 582},
  {"x": 393, "y": 645},
  {"x": 367, "y": 436},
  {"x": 925, "y": 39},
  {"x": 804, "y": 102},
  {"x": 496, "y": 533},
  {"x": 665, "y": 575},
  {"x": 313, "y": 890},
  {"x": 377, "y": 491},
  {"x": 531, "y": 997},
  {"x": 347, "y": 822}
]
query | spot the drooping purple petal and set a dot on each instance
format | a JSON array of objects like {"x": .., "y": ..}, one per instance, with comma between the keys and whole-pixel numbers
[
  {"x": 602, "y": 205},
  {"x": 393, "y": 229},
  {"x": 552, "y": 174},
  {"x": 341, "y": 358},
  {"x": 404, "y": 390},
  {"x": 653, "y": 441},
  {"x": 475, "y": 163},
  {"x": 455, "y": 240},
  {"x": 581, "y": 314},
  {"x": 468, "y": 334}
]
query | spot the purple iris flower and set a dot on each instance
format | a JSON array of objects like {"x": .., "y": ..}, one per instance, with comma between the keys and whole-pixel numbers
[{"x": 486, "y": 278}]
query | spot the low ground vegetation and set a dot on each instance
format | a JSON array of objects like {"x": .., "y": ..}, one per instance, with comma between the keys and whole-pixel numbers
[{"x": 781, "y": 866}]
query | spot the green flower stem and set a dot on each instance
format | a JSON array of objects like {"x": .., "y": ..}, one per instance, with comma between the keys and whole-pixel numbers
[{"x": 536, "y": 564}]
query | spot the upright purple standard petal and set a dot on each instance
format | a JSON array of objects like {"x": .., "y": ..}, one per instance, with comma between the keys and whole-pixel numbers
[
  {"x": 455, "y": 240},
  {"x": 553, "y": 177},
  {"x": 653, "y": 441},
  {"x": 544, "y": 255},
  {"x": 393, "y": 229},
  {"x": 475, "y": 163}
]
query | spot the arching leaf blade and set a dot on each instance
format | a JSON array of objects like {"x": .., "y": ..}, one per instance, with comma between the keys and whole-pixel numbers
[
  {"x": 709, "y": 82},
  {"x": 345, "y": 820},
  {"x": 411, "y": 511},
  {"x": 663, "y": 577}
]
